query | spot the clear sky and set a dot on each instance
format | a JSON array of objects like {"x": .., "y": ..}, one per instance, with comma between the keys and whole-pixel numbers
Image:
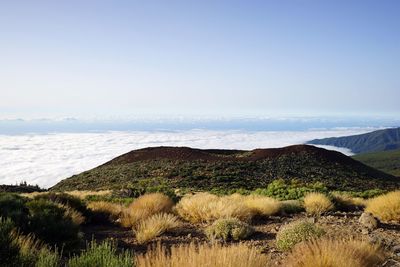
[{"x": 121, "y": 58}]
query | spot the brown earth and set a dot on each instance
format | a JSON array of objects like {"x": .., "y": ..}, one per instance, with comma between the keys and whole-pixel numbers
[
  {"x": 336, "y": 224},
  {"x": 187, "y": 153}
]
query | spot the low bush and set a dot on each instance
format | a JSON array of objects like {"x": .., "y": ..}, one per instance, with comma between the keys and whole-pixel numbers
[
  {"x": 335, "y": 253},
  {"x": 51, "y": 224},
  {"x": 296, "y": 232},
  {"x": 215, "y": 255},
  {"x": 13, "y": 206},
  {"x": 144, "y": 207},
  {"x": 101, "y": 255},
  {"x": 229, "y": 228},
  {"x": 205, "y": 207},
  {"x": 9, "y": 251},
  {"x": 65, "y": 199},
  {"x": 317, "y": 203},
  {"x": 20, "y": 250},
  {"x": 385, "y": 207},
  {"x": 155, "y": 226},
  {"x": 294, "y": 189},
  {"x": 291, "y": 206},
  {"x": 33, "y": 253}
]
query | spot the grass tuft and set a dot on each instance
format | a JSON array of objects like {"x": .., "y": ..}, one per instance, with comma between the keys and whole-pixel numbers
[
  {"x": 335, "y": 253},
  {"x": 385, "y": 207},
  {"x": 144, "y": 207},
  {"x": 155, "y": 226},
  {"x": 215, "y": 255},
  {"x": 317, "y": 203},
  {"x": 205, "y": 207}
]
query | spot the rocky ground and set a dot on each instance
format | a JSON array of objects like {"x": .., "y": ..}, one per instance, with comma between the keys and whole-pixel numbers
[{"x": 336, "y": 224}]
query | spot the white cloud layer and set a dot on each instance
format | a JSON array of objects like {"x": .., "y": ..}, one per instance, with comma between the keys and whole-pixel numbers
[{"x": 47, "y": 159}]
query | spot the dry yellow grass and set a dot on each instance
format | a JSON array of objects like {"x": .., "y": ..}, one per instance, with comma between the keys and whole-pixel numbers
[
  {"x": 261, "y": 205},
  {"x": 334, "y": 253},
  {"x": 76, "y": 217},
  {"x": 77, "y": 193},
  {"x": 112, "y": 210},
  {"x": 345, "y": 201},
  {"x": 317, "y": 203},
  {"x": 385, "y": 207},
  {"x": 205, "y": 207},
  {"x": 215, "y": 255},
  {"x": 155, "y": 226},
  {"x": 84, "y": 193},
  {"x": 144, "y": 207}
]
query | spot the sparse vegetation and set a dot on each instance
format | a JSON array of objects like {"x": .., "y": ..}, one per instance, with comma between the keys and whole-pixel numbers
[
  {"x": 215, "y": 255},
  {"x": 155, "y": 226},
  {"x": 335, "y": 253},
  {"x": 205, "y": 207},
  {"x": 296, "y": 232},
  {"x": 385, "y": 207},
  {"x": 317, "y": 203},
  {"x": 31, "y": 234},
  {"x": 229, "y": 229},
  {"x": 164, "y": 169}
]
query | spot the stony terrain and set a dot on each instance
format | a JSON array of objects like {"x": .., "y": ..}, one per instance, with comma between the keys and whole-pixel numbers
[{"x": 336, "y": 224}]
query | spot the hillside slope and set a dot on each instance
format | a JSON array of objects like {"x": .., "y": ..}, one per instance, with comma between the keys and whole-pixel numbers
[
  {"x": 386, "y": 161},
  {"x": 381, "y": 140},
  {"x": 182, "y": 167}
]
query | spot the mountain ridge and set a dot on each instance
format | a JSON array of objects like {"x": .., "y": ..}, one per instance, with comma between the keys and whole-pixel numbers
[
  {"x": 380, "y": 140},
  {"x": 198, "y": 169}
]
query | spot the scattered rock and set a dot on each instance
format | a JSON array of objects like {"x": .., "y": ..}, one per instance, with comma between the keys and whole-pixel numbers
[
  {"x": 368, "y": 220},
  {"x": 391, "y": 263},
  {"x": 396, "y": 250},
  {"x": 364, "y": 231}
]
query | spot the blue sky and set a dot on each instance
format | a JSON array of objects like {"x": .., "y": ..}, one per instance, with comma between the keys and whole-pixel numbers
[{"x": 267, "y": 58}]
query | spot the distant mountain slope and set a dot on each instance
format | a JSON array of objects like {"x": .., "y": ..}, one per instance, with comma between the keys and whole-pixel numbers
[
  {"x": 183, "y": 167},
  {"x": 381, "y": 140},
  {"x": 387, "y": 161}
]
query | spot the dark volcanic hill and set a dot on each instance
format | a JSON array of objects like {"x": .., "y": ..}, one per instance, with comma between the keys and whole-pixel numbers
[
  {"x": 381, "y": 140},
  {"x": 197, "y": 169}
]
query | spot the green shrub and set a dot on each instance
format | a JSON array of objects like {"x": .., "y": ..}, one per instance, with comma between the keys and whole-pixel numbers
[
  {"x": 368, "y": 193},
  {"x": 19, "y": 250},
  {"x": 9, "y": 252},
  {"x": 64, "y": 199},
  {"x": 282, "y": 190},
  {"x": 48, "y": 258},
  {"x": 101, "y": 255},
  {"x": 13, "y": 206},
  {"x": 229, "y": 228},
  {"x": 49, "y": 223},
  {"x": 296, "y": 232}
]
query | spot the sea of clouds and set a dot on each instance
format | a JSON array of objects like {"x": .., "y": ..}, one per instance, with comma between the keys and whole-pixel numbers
[{"x": 45, "y": 159}]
